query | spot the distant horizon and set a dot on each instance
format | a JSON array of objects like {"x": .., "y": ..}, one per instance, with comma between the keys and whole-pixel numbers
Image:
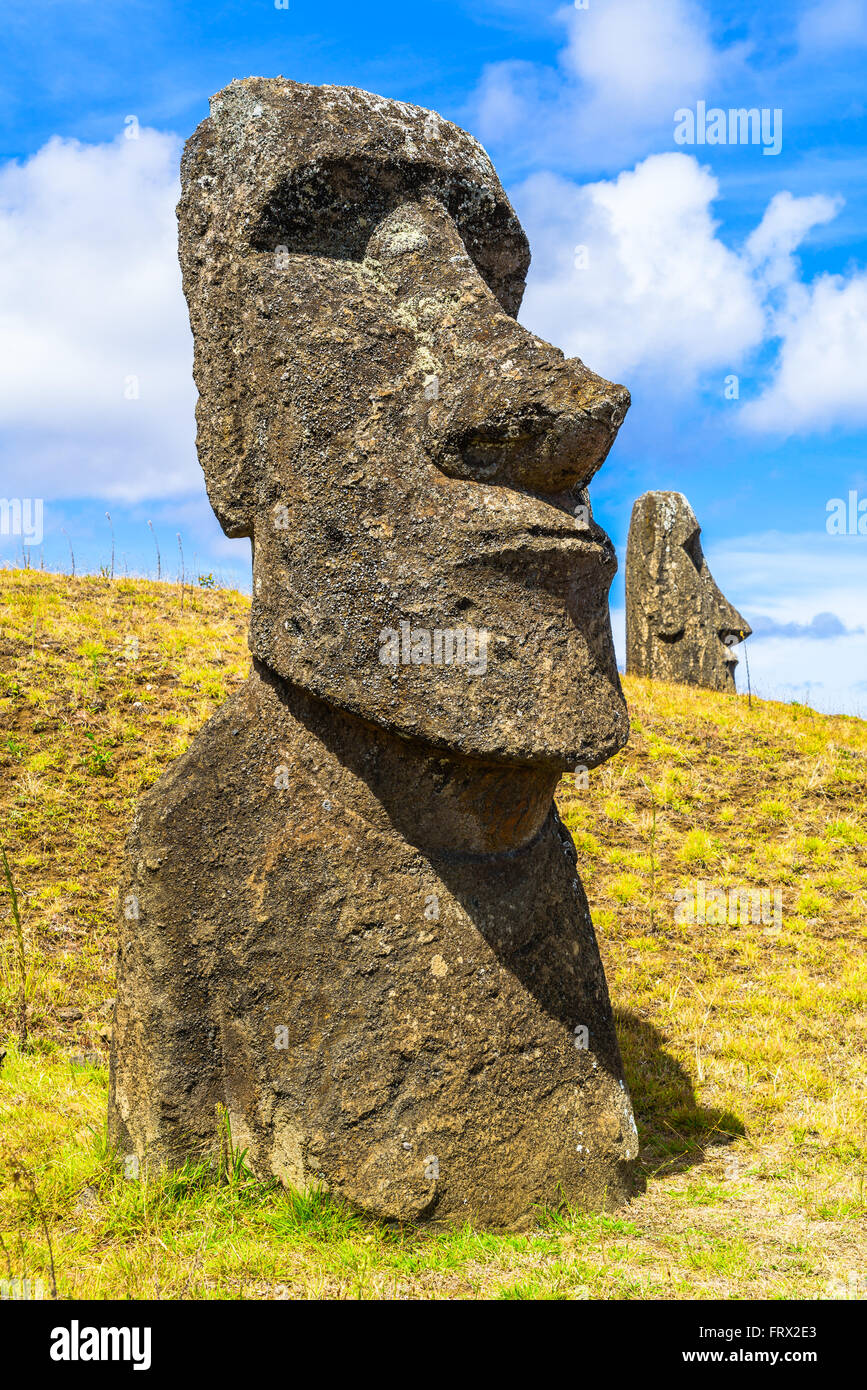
[{"x": 808, "y": 695}]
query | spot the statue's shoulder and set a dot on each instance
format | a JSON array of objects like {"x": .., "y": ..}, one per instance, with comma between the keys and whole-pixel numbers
[
  {"x": 245, "y": 816},
  {"x": 197, "y": 784},
  {"x": 247, "y": 788}
]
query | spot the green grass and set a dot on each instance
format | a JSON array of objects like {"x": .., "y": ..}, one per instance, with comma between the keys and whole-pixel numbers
[{"x": 744, "y": 1046}]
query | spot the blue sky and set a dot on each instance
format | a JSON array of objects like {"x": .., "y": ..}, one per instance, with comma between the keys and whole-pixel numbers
[{"x": 703, "y": 263}]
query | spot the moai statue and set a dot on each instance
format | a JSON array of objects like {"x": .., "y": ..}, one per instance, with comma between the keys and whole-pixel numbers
[
  {"x": 351, "y": 916},
  {"x": 679, "y": 627}
]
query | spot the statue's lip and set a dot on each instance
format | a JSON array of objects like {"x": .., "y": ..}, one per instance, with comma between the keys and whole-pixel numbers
[{"x": 572, "y": 541}]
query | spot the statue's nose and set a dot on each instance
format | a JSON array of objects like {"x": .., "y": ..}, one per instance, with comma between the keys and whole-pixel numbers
[
  {"x": 507, "y": 407},
  {"x": 523, "y": 415},
  {"x": 732, "y": 629}
]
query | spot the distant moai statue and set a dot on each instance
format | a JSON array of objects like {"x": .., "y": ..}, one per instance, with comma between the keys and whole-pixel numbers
[
  {"x": 359, "y": 930},
  {"x": 679, "y": 626}
]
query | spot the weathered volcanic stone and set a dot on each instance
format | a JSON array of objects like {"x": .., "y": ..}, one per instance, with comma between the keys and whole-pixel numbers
[
  {"x": 679, "y": 627},
  {"x": 351, "y": 914}
]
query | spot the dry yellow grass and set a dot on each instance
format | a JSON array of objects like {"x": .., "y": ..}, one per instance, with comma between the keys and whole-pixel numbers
[{"x": 744, "y": 1044}]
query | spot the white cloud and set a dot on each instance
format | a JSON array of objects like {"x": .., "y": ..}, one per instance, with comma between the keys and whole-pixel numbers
[
  {"x": 821, "y": 378},
  {"x": 786, "y": 223},
  {"x": 90, "y": 294},
  {"x": 626, "y": 67},
  {"x": 629, "y": 51},
  {"x": 818, "y": 379},
  {"x": 660, "y": 290},
  {"x": 661, "y": 293},
  {"x": 833, "y": 24}
]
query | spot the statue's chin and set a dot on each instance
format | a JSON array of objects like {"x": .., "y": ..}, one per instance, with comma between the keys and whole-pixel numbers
[
  {"x": 553, "y": 700},
  {"x": 538, "y": 733}
]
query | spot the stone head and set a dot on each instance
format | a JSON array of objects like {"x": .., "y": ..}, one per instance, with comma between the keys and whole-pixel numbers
[
  {"x": 679, "y": 626},
  {"x": 406, "y": 458}
]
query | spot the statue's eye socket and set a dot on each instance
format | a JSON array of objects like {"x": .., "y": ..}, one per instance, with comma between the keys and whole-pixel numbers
[
  {"x": 329, "y": 211},
  {"x": 332, "y": 209},
  {"x": 692, "y": 546}
]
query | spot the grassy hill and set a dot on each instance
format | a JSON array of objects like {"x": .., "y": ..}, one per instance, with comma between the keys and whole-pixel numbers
[{"x": 744, "y": 1044}]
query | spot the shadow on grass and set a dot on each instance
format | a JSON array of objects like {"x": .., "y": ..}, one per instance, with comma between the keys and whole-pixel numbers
[{"x": 675, "y": 1131}]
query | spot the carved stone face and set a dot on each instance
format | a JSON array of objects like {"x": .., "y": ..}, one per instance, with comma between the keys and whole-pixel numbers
[
  {"x": 409, "y": 462},
  {"x": 679, "y": 627}
]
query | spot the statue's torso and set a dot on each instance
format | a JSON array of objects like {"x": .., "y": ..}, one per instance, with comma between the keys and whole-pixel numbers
[{"x": 372, "y": 1016}]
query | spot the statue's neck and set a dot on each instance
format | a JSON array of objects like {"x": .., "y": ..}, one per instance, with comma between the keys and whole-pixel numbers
[{"x": 438, "y": 801}]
